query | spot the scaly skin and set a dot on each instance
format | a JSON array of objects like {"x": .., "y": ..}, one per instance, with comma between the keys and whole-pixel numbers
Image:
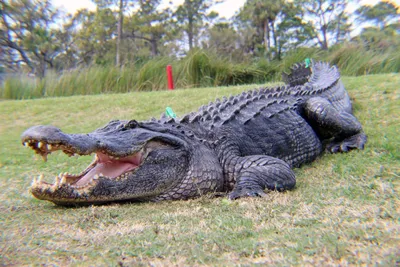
[{"x": 242, "y": 145}]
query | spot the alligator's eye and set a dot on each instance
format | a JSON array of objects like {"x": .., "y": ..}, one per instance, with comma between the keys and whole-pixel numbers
[{"x": 130, "y": 125}]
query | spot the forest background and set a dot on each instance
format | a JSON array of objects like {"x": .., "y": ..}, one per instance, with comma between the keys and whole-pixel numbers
[{"x": 125, "y": 45}]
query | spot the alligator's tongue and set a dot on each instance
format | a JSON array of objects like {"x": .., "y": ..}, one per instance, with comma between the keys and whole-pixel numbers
[{"x": 110, "y": 167}]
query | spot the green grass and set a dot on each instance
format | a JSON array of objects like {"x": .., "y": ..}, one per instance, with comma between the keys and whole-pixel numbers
[{"x": 343, "y": 211}]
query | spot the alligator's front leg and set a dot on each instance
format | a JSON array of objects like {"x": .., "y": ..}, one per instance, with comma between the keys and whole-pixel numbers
[
  {"x": 328, "y": 122},
  {"x": 258, "y": 172}
]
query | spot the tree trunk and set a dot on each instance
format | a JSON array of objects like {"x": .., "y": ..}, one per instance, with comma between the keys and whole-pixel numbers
[
  {"x": 190, "y": 33},
  {"x": 338, "y": 29},
  {"x": 325, "y": 38},
  {"x": 266, "y": 38},
  {"x": 153, "y": 43},
  {"x": 119, "y": 37},
  {"x": 274, "y": 35},
  {"x": 41, "y": 69},
  {"x": 279, "y": 53}
]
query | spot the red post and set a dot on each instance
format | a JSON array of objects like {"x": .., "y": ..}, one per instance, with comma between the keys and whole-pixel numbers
[{"x": 170, "y": 78}]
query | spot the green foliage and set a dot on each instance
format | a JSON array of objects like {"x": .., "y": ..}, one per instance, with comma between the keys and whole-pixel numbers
[
  {"x": 26, "y": 35},
  {"x": 380, "y": 14},
  {"x": 222, "y": 40},
  {"x": 324, "y": 17},
  {"x": 146, "y": 28},
  {"x": 262, "y": 14},
  {"x": 92, "y": 37},
  {"x": 190, "y": 16}
]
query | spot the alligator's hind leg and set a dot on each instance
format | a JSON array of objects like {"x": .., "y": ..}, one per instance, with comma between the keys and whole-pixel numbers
[
  {"x": 328, "y": 122},
  {"x": 258, "y": 172}
]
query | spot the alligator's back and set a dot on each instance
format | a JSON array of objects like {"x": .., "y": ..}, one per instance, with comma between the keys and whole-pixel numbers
[
  {"x": 271, "y": 121},
  {"x": 303, "y": 82}
]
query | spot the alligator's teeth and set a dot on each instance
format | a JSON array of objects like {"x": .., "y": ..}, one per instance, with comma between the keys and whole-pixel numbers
[
  {"x": 63, "y": 180},
  {"x": 40, "y": 145},
  {"x": 34, "y": 181},
  {"x": 96, "y": 177},
  {"x": 100, "y": 174},
  {"x": 44, "y": 156},
  {"x": 26, "y": 144},
  {"x": 57, "y": 182},
  {"x": 40, "y": 178},
  {"x": 49, "y": 147}
]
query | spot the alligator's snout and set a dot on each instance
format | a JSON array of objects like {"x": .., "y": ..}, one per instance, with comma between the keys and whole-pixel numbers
[
  {"x": 47, "y": 139},
  {"x": 44, "y": 132}
]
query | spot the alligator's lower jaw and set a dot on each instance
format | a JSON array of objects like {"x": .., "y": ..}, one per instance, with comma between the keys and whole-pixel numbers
[
  {"x": 77, "y": 189},
  {"x": 68, "y": 188},
  {"x": 60, "y": 193},
  {"x": 66, "y": 195}
]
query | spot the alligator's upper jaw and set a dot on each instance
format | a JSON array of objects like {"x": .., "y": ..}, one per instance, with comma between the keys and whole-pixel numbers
[{"x": 46, "y": 139}]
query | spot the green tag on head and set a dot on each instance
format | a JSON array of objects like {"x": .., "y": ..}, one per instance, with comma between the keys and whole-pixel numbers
[
  {"x": 308, "y": 62},
  {"x": 170, "y": 113}
]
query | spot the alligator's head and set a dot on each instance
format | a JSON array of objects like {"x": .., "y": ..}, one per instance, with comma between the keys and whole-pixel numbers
[{"x": 133, "y": 161}]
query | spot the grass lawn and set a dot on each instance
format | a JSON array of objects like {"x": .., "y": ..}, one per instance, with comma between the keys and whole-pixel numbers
[{"x": 344, "y": 210}]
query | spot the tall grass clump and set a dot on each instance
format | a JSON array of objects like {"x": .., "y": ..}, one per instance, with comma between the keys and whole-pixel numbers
[
  {"x": 21, "y": 87},
  {"x": 199, "y": 68},
  {"x": 93, "y": 80},
  {"x": 204, "y": 68},
  {"x": 150, "y": 77},
  {"x": 355, "y": 60}
]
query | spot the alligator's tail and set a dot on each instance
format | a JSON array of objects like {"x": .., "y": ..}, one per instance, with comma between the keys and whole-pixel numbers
[
  {"x": 319, "y": 75},
  {"x": 299, "y": 74},
  {"x": 321, "y": 78}
]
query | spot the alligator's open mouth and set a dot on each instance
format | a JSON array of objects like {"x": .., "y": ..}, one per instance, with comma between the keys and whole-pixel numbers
[{"x": 104, "y": 166}]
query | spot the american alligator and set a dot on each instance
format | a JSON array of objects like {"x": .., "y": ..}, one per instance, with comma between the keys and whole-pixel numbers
[{"x": 243, "y": 145}]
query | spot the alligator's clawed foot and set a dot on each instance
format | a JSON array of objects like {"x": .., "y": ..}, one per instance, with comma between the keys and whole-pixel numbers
[
  {"x": 354, "y": 142},
  {"x": 246, "y": 192}
]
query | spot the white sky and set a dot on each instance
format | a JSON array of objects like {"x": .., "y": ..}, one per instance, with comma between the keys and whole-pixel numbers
[{"x": 226, "y": 9}]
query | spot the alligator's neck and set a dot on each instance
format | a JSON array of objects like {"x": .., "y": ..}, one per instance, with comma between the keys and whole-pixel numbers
[{"x": 191, "y": 132}]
